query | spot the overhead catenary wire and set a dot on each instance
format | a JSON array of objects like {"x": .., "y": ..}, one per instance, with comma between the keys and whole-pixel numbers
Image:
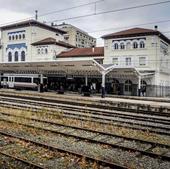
[
  {"x": 112, "y": 11},
  {"x": 57, "y": 11}
]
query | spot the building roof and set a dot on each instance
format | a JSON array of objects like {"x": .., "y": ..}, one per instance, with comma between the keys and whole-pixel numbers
[
  {"x": 52, "y": 41},
  {"x": 31, "y": 23},
  {"x": 136, "y": 32},
  {"x": 83, "y": 52}
]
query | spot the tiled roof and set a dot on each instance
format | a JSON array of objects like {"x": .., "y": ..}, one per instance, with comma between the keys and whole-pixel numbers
[
  {"x": 96, "y": 51},
  {"x": 136, "y": 32},
  {"x": 31, "y": 23},
  {"x": 50, "y": 41}
]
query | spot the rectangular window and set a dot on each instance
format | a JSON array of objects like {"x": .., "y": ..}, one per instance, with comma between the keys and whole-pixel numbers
[
  {"x": 115, "y": 61},
  {"x": 142, "y": 61},
  {"x": 128, "y": 61}
]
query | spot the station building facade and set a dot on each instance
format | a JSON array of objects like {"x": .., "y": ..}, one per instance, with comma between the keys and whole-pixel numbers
[
  {"x": 136, "y": 59},
  {"x": 145, "y": 50}
]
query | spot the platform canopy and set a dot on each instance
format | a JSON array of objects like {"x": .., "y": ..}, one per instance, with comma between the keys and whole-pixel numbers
[
  {"x": 83, "y": 67},
  {"x": 77, "y": 67}
]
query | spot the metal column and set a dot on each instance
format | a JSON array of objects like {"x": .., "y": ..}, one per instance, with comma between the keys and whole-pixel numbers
[
  {"x": 103, "y": 84},
  {"x": 139, "y": 86},
  {"x": 40, "y": 86},
  {"x": 86, "y": 80}
]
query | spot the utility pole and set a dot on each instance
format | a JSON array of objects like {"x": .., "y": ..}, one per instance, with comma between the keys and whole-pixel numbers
[{"x": 36, "y": 15}]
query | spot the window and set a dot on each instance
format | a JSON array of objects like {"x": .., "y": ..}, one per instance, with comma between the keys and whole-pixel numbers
[
  {"x": 142, "y": 61},
  {"x": 13, "y": 37},
  {"x": 9, "y": 57},
  {"x": 19, "y": 36},
  {"x": 142, "y": 44},
  {"x": 128, "y": 45},
  {"x": 42, "y": 51},
  {"x": 16, "y": 37},
  {"x": 135, "y": 45},
  {"x": 122, "y": 46},
  {"x": 16, "y": 56},
  {"x": 23, "y": 36},
  {"x": 23, "y": 56},
  {"x": 116, "y": 46},
  {"x": 115, "y": 61},
  {"x": 128, "y": 61},
  {"x": 23, "y": 79},
  {"x": 46, "y": 51},
  {"x": 9, "y": 37},
  {"x": 128, "y": 86},
  {"x": 38, "y": 51}
]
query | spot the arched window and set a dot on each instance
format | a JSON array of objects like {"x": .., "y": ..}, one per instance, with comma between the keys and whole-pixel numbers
[
  {"x": 128, "y": 45},
  {"x": 128, "y": 86},
  {"x": 13, "y": 37},
  {"x": 16, "y": 37},
  {"x": 9, "y": 57},
  {"x": 38, "y": 51},
  {"x": 135, "y": 45},
  {"x": 19, "y": 36},
  {"x": 116, "y": 46},
  {"x": 46, "y": 51},
  {"x": 23, "y": 36},
  {"x": 122, "y": 46},
  {"x": 16, "y": 56},
  {"x": 142, "y": 44},
  {"x": 23, "y": 56},
  {"x": 9, "y": 37},
  {"x": 42, "y": 51}
]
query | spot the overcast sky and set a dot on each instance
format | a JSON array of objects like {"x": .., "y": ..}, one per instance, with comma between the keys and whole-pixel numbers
[{"x": 12, "y": 10}]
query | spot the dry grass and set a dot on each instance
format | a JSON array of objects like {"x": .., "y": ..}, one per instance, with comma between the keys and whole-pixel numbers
[{"x": 57, "y": 117}]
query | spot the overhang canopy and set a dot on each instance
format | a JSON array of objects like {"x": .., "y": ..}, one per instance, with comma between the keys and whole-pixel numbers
[
  {"x": 79, "y": 67},
  {"x": 54, "y": 67}
]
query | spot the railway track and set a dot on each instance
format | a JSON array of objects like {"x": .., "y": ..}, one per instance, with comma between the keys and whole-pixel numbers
[
  {"x": 89, "y": 158},
  {"x": 104, "y": 149},
  {"x": 101, "y": 104},
  {"x": 156, "y": 124},
  {"x": 94, "y": 140},
  {"x": 19, "y": 163}
]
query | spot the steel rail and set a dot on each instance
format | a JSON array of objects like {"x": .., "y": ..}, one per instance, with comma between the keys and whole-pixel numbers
[
  {"x": 32, "y": 165},
  {"x": 100, "y": 105},
  {"x": 53, "y": 148},
  {"x": 86, "y": 129},
  {"x": 116, "y": 145},
  {"x": 145, "y": 128}
]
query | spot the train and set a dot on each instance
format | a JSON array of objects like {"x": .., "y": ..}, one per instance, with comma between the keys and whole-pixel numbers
[{"x": 21, "y": 81}]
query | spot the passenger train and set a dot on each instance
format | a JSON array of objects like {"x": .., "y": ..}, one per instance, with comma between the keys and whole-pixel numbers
[{"x": 21, "y": 81}]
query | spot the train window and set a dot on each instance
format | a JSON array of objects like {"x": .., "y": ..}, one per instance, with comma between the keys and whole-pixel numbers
[
  {"x": 4, "y": 78},
  {"x": 23, "y": 79},
  {"x": 36, "y": 80}
]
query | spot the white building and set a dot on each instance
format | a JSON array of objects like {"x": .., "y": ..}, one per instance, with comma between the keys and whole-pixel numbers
[
  {"x": 76, "y": 36},
  {"x": 30, "y": 41},
  {"x": 145, "y": 50},
  {"x": 130, "y": 60}
]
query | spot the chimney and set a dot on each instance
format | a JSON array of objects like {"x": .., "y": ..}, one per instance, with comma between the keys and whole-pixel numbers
[
  {"x": 52, "y": 23},
  {"x": 156, "y": 27},
  {"x": 36, "y": 15}
]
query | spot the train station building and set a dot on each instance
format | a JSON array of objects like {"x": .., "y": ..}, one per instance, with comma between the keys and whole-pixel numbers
[{"x": 130, "y": 62}]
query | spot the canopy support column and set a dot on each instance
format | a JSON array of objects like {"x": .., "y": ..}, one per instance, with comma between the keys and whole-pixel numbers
[
  {"x": 40, "y": 86},
  {"x": 86, "y": 80},
  {"x": 139, "y": 86},
  {"x": 103, "y": 84}
]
